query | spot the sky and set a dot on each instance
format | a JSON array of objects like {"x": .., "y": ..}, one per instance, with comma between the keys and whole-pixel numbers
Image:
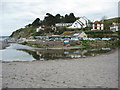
[{"x": 15, "y": 14}]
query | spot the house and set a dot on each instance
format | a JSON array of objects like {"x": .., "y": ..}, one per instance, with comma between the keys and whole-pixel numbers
[
  {"x": 39, "y": 28},
  {"x": 82, "y": 22},
  {"x": 45, "y": 27},
  {"x": 97, "y": 25},
  {"x": 75, "y": 33},
  {"x": 63, "y": 24},
  {"x": 80, "y": 34},
  {"x": 115, "y": 27}
]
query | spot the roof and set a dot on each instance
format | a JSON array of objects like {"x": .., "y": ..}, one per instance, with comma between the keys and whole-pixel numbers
[
  {"x": 70, "y": 32},
  {"x": 97, "y": 22},
  {"x": 64, "y": 23}
]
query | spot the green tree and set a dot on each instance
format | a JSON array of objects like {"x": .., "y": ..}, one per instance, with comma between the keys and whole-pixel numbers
[
  {"x": 36, "y": 22},
  {"x": 49, "y": 19},
  {"x": 72, "y": 18},
  {"x": 58, "y": 18},
  {"x": 66, "y": 20}
]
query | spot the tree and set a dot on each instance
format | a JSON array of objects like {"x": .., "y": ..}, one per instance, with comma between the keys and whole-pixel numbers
[
  {"x": 36, "y": 22},
  {"x": 49, "y": 19},
  {"x": 66, "y": 20},
  {"x": 58, "y": 18},
  {"x": 103, "y": 18},
  {"x": 62, "y": 19},
  {"x": 72, "y": 18},
  {"x": 52, "y": 20}
]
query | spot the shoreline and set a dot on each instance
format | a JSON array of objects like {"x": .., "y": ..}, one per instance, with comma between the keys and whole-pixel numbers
[
  {"x": 39, "y": 44},
  {"x": 94, "y": 72},
  {"x": 3, "y": 44},
  {"x": 61, "y": 48},
  {"x": 98, "y": 55}
]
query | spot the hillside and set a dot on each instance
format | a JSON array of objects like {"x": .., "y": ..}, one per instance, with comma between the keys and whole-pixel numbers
[
  {"x": 23, "y": 32},
  {"x": 108, "y": 22},
  {"x": 49, "y": 20},
  {"x": 30, "y": 30}
]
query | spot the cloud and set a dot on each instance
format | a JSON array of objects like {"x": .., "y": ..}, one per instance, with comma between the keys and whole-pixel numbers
[{"x": 18, "y": 13}]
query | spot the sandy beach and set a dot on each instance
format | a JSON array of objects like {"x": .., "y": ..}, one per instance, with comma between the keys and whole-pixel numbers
[
  {"x": 91, "y": 72},
  {"x": 0, "y": 75}
]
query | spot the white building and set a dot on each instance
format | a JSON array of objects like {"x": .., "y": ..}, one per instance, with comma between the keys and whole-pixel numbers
[
  {"x": 97, "y": 25},
  {"x": 115, "y": 27},
  {"x": 80, "y": 23},
  {"x": 45, "y": 27},
  {"x": 63, "y": 24},
  {"x": 39, "y": 28}
]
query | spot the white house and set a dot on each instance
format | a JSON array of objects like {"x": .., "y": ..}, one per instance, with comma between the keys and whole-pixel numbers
[
  {"x": 80, "y": 23},
  {"x": 97, "y": 25},
  {"x": 39, "y": 28},
  {"x": 115, "y": 27}
]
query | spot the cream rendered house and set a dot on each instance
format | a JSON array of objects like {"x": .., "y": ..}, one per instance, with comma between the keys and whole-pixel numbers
[{"x": 80, "y": 34}]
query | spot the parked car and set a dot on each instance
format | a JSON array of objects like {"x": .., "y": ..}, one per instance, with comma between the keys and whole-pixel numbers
[
  {"x": 48, "y": 39},
  {"x": 80, "y": 38},
  {"x": 58, "y": 39},
  {"x": 106, "y": 38},
  {"x": 74, "y": 39},
  {"x": 106, "y": 48},
  {"x": 51, "y": 39},
  {"x": 85, "y": 38},
  {"x": 114, "y": 38},
  {"x": 66, "y": 38},
  {"x": 97, "y": 38},
  {"x": 91, "y": 39}
]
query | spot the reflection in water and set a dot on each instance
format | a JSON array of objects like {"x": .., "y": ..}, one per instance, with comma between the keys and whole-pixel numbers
[
  {"x": 17, "y": 52},
  {"x": 30, "y": 52},
  {"x": 47, "y": 54}
]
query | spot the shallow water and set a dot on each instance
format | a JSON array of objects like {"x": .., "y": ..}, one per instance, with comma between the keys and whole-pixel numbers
[
  {"x": 3, "y": 38},
  {"x": 17, "y": 52},
  {"x": 12, "y": 54}
]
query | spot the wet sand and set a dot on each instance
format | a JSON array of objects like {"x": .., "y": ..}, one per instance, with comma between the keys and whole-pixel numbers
[{"x": 92, "y": 72}]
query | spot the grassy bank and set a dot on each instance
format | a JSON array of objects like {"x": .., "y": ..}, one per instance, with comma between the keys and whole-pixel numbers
[
  {"x": 84, "y": 44},
  {"x": 97, "y": 43},
  {"x": 34, "y": 45},
  {"x": 24, "y": 32}
]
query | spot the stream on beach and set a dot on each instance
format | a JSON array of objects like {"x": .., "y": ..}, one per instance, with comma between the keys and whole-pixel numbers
[{"x": 17, "y": 52}]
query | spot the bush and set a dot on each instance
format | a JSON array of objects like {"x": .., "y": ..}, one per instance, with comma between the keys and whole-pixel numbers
[{"x": 24, "y": 43}]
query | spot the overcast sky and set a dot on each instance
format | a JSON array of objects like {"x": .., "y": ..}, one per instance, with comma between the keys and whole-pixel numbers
[{"x": 18, "y": 13}]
